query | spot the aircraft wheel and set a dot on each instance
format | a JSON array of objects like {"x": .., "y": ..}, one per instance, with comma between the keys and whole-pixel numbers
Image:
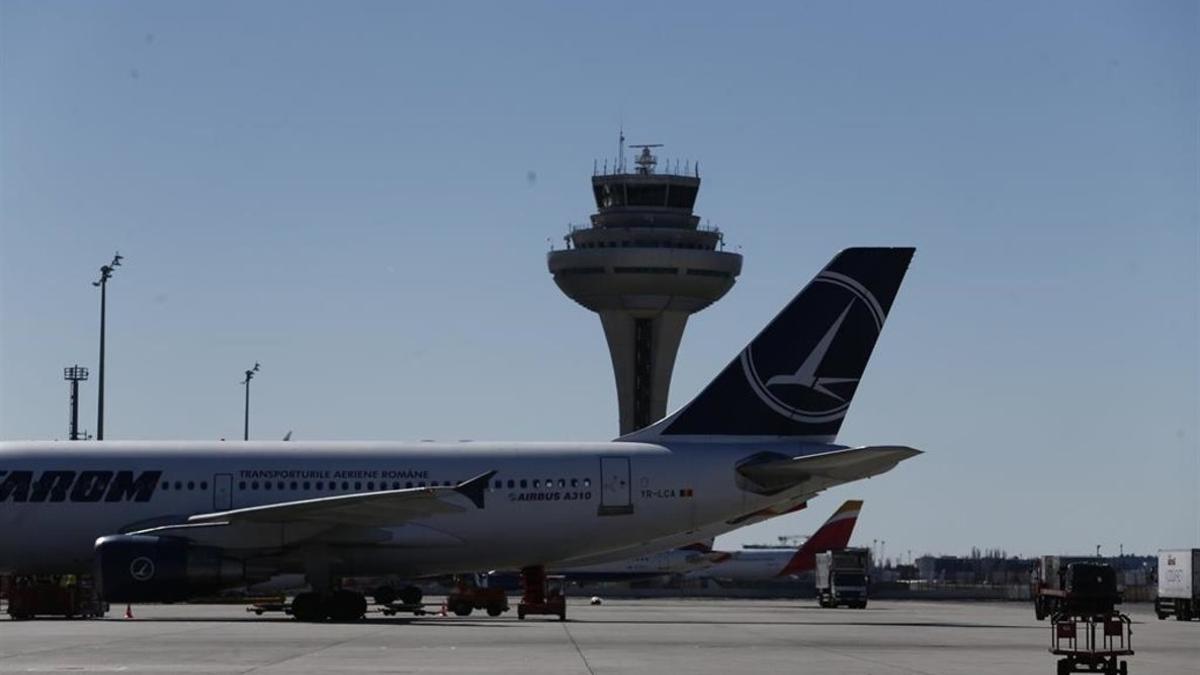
[
  {"x": 384, "y": 595},
  {"x": 411, "y": 595},
  {"x": 347, "y": 606},
  {"x": 308, "y": 607}
]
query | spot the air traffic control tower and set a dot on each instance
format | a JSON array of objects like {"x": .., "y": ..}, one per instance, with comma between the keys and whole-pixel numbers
[{"x": 645, "y": 265}]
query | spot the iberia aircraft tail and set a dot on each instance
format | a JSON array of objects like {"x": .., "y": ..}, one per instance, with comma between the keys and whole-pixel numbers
[{"x": 833, "y": 535}]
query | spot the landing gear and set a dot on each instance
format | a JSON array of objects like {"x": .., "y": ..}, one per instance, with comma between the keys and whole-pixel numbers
[
  {"x": 308, "y": 607},
  {"x": 411, "y": 595},
  {"x": 338, "y": 605},
  {"x": 384, "y": 595},
  {"x": 346, "y": 606}
]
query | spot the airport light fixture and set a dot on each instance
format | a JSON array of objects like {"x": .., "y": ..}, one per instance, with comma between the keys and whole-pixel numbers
[
  {"x": 246, "y": 419},
  {"x": 106, "y": 273},
  {"x": 75, "y": 374}
]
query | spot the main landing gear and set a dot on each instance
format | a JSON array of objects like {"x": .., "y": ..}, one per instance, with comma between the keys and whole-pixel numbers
[{"x": 339, "y": 605}]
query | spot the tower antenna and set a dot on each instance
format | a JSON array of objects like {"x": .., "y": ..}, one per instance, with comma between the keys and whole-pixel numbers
[{"x": 621, "y": 150}]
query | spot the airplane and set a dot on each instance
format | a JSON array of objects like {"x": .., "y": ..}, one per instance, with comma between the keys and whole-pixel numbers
[
  {"x": 757, "y": 565},
  {"x": 163, "y": 521}
]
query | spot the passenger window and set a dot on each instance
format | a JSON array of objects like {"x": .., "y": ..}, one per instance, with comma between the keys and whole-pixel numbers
[
  {"x": 242, "y": 485},
  {"x": 524, "y": 483},
  {"x": 587, "y": 482},
  {"x": 396, "y": 485},
  {"x": 497, "y": 485},
  {"x": 357, "y": 485},
  {"x": 562, "y": 483},
  {"x": 320, "y": 485},
  {"x": 191, "y": 485},
  {"x": 294, "y": 485},
  {"x": 178, "y": 485},
  {"x": 536, "y": 483},
  {"x": 574, "y": 482},
  {"x": 345, "y": 485},
  {"x": 511, "y": 484},
  {"x": 204, "y": 485},
  {"x": 266, "y": 485},
  {"x": 166, "y": 485},
  {"x": 408, "y": 485},
  {"x": 279, "y": 485},
  {"x": 254, "y": 485},
  {"x": 307, "y": 485},
  {"x": 371, "y": 485}
]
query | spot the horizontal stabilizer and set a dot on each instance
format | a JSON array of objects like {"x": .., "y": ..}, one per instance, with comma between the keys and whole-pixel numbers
[{"x": 824, "y": 470}]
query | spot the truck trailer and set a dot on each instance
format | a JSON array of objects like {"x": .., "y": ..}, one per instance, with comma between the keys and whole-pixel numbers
[
  {"x": 843, "y": 577},
  {"x": 1178, "y": 584}
]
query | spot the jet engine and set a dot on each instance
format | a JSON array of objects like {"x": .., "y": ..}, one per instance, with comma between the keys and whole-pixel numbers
[{"x": 142, "y": 568}]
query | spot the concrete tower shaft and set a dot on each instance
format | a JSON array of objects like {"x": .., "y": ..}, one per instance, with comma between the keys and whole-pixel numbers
[{"x": 644, "y": 265}]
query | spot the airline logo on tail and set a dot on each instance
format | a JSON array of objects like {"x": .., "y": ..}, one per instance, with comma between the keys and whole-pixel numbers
[
  {"x": 806, "y": 393},
  {"x": 799, "y": 375},
  {"x": 833, "y": 535}
]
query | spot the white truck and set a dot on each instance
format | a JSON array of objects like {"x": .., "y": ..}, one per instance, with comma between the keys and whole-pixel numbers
[
  {"x": 843, "y": 577},
  {"x": 1178, "y": 584}
]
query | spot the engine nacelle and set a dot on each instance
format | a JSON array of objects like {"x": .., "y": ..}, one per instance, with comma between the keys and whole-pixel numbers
[{"x": 142, "y": 568}]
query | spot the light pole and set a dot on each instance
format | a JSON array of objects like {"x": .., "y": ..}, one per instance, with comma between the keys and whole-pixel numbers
[
  {"x": 75, "y": 375},
  {"x": 105, "y": 273},
  {"x": 246, "y": 420}
]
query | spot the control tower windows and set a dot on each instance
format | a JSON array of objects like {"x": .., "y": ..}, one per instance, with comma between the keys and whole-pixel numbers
[
  {"x": 682, "y": 196},
  {"x": 646, "y": 195},
  {"x": 609, "y": 195}
]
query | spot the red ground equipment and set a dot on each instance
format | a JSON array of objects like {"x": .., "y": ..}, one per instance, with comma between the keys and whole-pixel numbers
[
  {"x": 66, "y": 596},
  {"x": 543, "y": 594},
  {"x": 467, "y": 597}
]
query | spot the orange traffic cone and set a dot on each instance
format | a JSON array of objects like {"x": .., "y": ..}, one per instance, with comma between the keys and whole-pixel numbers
[{"x": 128, "y": 611}]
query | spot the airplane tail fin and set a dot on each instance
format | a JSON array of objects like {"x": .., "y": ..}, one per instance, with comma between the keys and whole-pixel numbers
[
  {"x": 797, "y": 378},
  {"x": 833, "y": 535}
]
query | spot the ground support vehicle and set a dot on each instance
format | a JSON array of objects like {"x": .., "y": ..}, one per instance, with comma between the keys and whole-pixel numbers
[
  {"x": 842, "y": 577},
  {"x": 1073, "y": 586},
  {"x": 1178, "y": 584},
  {"x": 394, "y": 608},
  {"x": 543, "y": 594},
  {"x": 65, "y": 596},
  {"x": 467, "y": 597},
  {"x": 261, "y": 606},
  {"x": 1091, "y": 644}
]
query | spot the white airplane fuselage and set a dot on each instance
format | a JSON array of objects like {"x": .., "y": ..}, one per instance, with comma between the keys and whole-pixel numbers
[{"x": 62, "y": 496}]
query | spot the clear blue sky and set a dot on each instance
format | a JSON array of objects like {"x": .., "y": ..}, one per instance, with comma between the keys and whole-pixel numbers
[{"x": 359, "y": 195}]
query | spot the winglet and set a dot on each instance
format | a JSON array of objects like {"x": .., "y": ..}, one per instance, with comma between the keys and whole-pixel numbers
[{"x": 474, "y": 488}]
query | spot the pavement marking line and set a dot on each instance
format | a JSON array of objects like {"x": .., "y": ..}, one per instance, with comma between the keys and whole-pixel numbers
[
  {"x": 293, "y": 657},
  {"x": 577, "y": 649},
  {"x": 118, "y": 640},
  {"x": 838, "y": 652}
]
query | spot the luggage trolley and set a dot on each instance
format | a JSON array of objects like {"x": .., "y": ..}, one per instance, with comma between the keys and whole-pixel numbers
[{"x": 1092, "y": 644}]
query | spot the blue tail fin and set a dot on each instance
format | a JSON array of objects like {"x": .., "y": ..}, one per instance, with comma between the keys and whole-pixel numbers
[{"x": 798, "y": 376}]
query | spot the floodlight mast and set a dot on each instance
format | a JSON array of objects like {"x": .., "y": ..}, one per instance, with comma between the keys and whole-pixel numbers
[
  {"x": 246, "y": 419},
  {"x": 106, "y": 273},
  {"x": 75, "y": 374}
]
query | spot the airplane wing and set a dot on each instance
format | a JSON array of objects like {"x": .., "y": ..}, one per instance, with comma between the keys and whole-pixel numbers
[
  {"x": 357, "y": 516},
  {"x": 824, "y": 470},
  {"x": 364, "y": 509}
]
